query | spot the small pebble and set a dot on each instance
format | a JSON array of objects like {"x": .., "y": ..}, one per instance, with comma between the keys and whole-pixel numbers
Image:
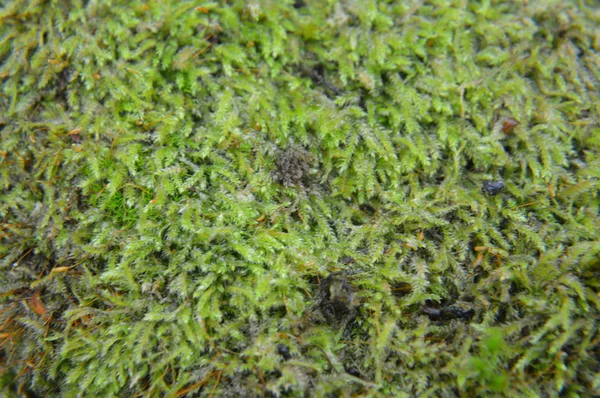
[
  {"x": 353, "y": 371},
  {"x": 284, "y": 351},
  {"x": 492, "y": 187},
  {"x": 448, "y": 313}
]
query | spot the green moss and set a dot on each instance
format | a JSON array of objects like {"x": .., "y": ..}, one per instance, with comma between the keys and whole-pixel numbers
[{"x": 178, "y": 180}]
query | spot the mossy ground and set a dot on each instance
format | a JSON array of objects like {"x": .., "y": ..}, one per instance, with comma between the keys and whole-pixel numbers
[{"x": 178, "y": 178}]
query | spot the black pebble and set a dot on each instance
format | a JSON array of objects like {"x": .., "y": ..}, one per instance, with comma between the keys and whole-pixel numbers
[
  {"x": 492, "y": 187},
  {"x": 353, "y": 371},
  {"x": 284, "y": 351},
  {"x": 453, "y": 312},
  {"x": 448, "y": 313}
]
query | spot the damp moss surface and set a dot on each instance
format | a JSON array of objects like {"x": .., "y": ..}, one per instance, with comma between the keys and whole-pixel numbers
[{"x": 309, "y": 198}]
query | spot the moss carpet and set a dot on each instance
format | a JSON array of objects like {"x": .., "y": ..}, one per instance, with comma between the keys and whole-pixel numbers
[{"x": 313, "y": 198}]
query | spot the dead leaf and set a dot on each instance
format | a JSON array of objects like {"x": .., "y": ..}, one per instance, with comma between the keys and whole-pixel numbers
[
  {"x": 509, "y": 124},
  {"x": 36, "y": 304}
]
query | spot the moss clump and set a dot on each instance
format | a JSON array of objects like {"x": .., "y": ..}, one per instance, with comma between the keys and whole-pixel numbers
[
  {"x": 293, "y": 167},
  {"x": 336, "y": 299},
  {"x": 164, "y": 231}
]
